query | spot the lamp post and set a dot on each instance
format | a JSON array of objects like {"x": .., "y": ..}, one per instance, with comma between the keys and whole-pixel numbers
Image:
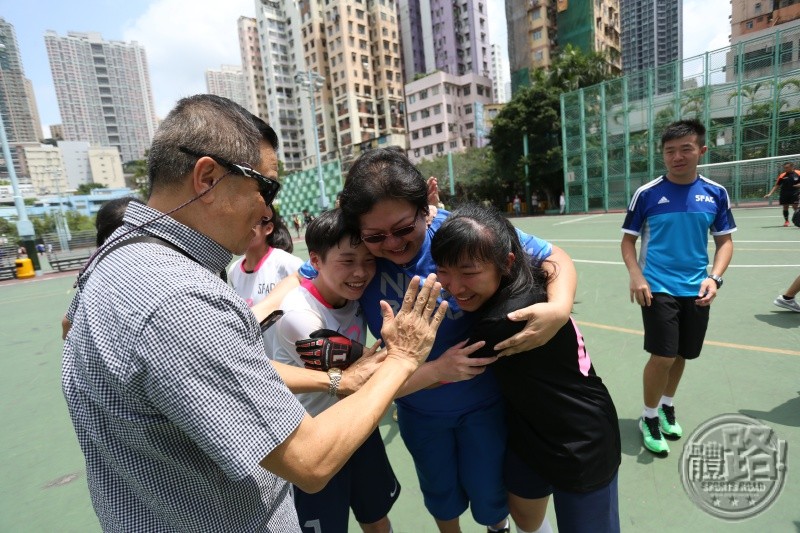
[
  {"x": 24, "y": 225},
  {"x": 312, "y": 81}
]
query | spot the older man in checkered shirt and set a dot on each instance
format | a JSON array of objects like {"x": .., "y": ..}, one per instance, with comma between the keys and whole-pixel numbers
[{"x": 184, "y": 423}]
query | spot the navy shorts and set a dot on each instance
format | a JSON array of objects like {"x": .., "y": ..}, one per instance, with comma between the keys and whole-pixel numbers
[
  {"x": 577, "y": 512},
  {"x": 674, "y": 325},
  {"x": 366, "y": 483},
  {"x": 459, "y": 461}
]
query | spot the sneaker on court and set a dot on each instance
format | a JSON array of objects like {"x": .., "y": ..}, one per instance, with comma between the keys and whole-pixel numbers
[
  {"x": 651, "y": 434},
  {"x": 791, "y": 305},
  {"x": 786, "y": 224},
  {"x": 669, "y": 426}
]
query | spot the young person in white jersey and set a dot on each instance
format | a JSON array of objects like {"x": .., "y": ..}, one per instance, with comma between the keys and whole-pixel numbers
[
  {"x": 263, "y": 265},
  {"x": 327, "y": 308}
]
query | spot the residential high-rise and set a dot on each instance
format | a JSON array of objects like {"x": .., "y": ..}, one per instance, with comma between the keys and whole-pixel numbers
[
  {"x": 277, "y": 56},
  {"x": 539, "y": 29},
  {"x": 652, "y": 33},
  {"x": 252, "y": 66},
  {"x": 37, "y": 122},
  {"x": 591, "y": 26},
  {"x": 227, "y": 82},
  {"x": 355, "y": 48},
  {"x": 15, "y": 104},
  {"x": 444, "y": 35},
  {"x": 499, "y": 76},
  {"x": 755, "y": 20},
  {"x": 445, "y": 114},
  {"x": 103, "y": 91}
]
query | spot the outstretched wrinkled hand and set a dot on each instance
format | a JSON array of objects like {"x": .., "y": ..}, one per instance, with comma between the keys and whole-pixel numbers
[{"x": 409, "y": 336}]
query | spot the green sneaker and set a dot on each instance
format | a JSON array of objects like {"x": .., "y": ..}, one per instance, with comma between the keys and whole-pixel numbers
[
  {"x": 651, "y": 434},
  {"x": 669, "y": 426}
]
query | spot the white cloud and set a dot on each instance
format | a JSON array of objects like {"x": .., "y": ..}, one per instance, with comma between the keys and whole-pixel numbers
[
  {"x": 706, "y": 26},
  {"x": 182, "y": 39}
]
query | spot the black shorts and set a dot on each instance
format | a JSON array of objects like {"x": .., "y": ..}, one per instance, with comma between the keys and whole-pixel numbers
[
  {"x": 789, "y": 198},
  {"x": 366, "y": 483},
  {"x": 674, "y": 325}
]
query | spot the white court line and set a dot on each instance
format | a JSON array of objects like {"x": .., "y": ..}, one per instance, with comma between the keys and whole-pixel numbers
[
  {"x": 729, "y": 266},
  {"x": 577, "y": 220}
]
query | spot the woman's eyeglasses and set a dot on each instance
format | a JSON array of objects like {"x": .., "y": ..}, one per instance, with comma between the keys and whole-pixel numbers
[
  {"x": 375, "y": 238},
  {"x": 267, "y": 187}
]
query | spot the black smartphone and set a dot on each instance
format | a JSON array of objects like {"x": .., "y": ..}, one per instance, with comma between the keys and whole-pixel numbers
[{"x": 270, "y": 320}]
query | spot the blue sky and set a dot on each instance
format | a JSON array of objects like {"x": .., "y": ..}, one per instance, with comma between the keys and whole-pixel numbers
[{"x": 183, "y": 38}]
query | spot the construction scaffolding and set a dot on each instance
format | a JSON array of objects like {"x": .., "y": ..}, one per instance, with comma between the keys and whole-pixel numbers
[{"x": 747, "y": 95}]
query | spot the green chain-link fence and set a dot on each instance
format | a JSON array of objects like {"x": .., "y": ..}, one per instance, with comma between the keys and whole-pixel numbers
[{"x": 747, "y": 95}]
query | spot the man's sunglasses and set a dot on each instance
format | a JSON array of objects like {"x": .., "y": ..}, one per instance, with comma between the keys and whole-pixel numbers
[
  {"x": 267, "y": 187},
  {"x": 375, "y": 238}
]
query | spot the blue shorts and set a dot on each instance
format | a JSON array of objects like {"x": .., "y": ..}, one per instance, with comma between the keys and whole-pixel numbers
[
  {"x": 366, "y": 483},
  {"x": 459, "y": 461},
  {"x": 576, "y": 512}
]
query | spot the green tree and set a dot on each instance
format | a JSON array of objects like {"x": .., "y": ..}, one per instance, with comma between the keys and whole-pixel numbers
[
  {"x": 86, "y": 188},
  {"x": 138, "y": 171},
  {"x": 535, "y": 111},
  {"x": 473, "y": 176}
]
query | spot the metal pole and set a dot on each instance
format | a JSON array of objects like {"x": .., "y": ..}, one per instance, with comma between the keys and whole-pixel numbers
[
  {"x": 323, "y": 199},
  {"x": 452, "y": 175},
  {"x": 24, "y": 226},
  {"x": 527, "y": 172}
]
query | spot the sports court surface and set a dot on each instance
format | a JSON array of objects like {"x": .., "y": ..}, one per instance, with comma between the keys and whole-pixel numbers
[{"x": 750, "y": 365}]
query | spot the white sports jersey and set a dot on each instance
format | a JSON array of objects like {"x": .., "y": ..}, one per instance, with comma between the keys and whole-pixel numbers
[
  {"x": 255, "y": 286},
  {"x": 305, "y": 310}
]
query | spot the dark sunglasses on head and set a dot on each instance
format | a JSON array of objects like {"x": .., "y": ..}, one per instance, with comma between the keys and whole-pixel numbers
[
  {"x": 267, "y": 187},
  {"x": 375, "y": 238}
]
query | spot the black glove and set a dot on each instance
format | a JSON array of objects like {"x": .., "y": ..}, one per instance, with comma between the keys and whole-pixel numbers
[{"x": 328, "y": 349}]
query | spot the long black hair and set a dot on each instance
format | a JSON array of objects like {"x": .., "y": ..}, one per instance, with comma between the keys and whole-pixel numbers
[{"x": 481, "y": 233}]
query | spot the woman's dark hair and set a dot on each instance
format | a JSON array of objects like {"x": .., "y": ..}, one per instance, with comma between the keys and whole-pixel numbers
[
  {"x": 109, "y": 217},
  {"x": 482, "y": 233},
  {"x": 382, "y": 174},
  {"x": 325, "y": 232},
  {"x": 280, "y": 236}
]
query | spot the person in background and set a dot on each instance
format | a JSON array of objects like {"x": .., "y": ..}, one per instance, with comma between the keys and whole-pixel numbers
[
  {"x": 789, "y": 184},
  {"x": 670, "y": 281},
  {"x": 263, "y": 265}
]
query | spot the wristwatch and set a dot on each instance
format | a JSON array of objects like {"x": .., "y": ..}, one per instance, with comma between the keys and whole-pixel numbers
[
  {"x": 335, "y": 375},
  {"x": 717, "y": 280}
]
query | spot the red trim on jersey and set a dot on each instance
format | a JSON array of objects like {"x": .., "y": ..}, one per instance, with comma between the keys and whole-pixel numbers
[
  {"x": 269, "y": 251},
  {"x": 308, "y": 285}
]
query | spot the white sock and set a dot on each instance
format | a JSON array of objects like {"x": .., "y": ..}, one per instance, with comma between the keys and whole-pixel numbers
[
  {"x": 665, "y": 400},
  {"x": 650, "y": 412},
  {"x": 544, "y": 528}
]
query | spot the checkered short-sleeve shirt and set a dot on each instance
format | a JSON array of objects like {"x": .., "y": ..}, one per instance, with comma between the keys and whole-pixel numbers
[{"x": 171, "y": 395}]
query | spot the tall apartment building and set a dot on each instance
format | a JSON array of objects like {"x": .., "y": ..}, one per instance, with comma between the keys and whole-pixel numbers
[
  {"x": 15, "y": 104},
  {"x": 538, "y": 29},
  {"x": 252, "y": 67},
  {"x": 279, "y": 56},
  {"x": 451, "y": 36},
  {"x": 227, "y": 82},
  {"x": 360, "y": 56},
  {"x": 754, "y": 20},
  {"x": 103, "y": 91},
  {"x": 445, "y": 113},
  {"x": 592, "y": 26},
  {"x": 37, "y": 121},
  {"x": 499, "y": 76},
  {"x": 652, "y": 33}
]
